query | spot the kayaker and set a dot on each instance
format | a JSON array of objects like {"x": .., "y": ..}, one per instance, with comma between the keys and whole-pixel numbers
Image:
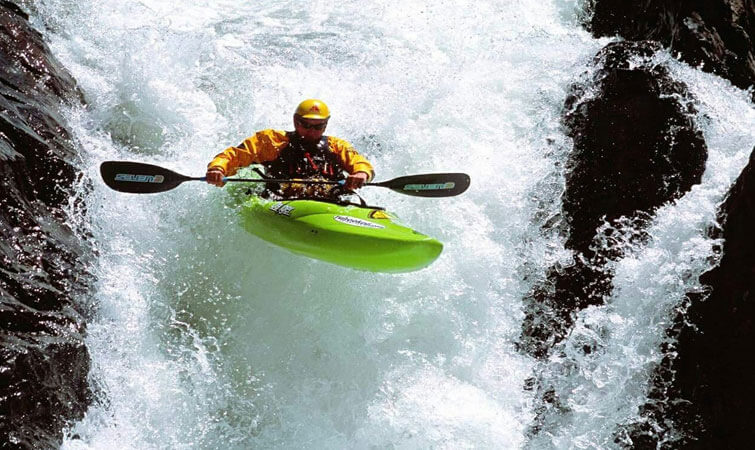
[{"x": 304, "y": 153}]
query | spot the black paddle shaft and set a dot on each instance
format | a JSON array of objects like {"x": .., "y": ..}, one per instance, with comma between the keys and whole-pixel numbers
[{"x": 141, "y": 178}]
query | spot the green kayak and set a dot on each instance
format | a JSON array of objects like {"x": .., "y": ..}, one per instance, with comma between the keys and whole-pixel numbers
[{"x": 362, "y": 238}]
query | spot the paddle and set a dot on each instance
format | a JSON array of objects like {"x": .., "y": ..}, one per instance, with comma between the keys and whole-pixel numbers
[{"x": 140, "y": 178}]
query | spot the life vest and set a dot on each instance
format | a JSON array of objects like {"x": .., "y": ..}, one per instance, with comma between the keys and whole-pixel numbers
[{"x": 301, "y": 159}]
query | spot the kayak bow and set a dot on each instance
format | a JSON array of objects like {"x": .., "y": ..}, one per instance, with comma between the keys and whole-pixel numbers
[{"x": 361, "y": 238}]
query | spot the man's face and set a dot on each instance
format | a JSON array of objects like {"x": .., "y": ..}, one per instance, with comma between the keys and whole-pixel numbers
[{"x": 309, "y": 129}]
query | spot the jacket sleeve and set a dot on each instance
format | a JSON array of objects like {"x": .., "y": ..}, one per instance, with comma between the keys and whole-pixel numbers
[
  {"x": 264, "y": 146},
  {"x": 352, "y": 161}
]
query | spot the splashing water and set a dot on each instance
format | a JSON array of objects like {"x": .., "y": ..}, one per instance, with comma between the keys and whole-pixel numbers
[{"x": 206, "y": 337}]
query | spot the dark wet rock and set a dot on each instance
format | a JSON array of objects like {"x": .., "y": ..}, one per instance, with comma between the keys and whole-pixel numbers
[
  {"x": 635, "y": 144},
  {"x": 43, "y": 360},
  {"x": 700, "y": 396},
  {"x": 551, "y": 306},
  {"x": 703, "y": 392},
  {"x": 717, "y": 35},
  {"x": 636, "y": 148}
]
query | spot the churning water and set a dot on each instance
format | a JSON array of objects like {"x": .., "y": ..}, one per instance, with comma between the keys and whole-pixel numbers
[{"x": 206, "y": 337}]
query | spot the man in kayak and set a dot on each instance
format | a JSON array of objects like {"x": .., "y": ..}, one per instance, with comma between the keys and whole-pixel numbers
[{"x": 301, "y": 154}]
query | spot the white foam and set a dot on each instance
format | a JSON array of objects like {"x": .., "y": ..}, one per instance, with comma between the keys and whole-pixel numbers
[{"x": 206, "y": 336}]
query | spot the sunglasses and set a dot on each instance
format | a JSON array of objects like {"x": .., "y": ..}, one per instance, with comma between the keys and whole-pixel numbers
[{"x": 312, "y": 126}]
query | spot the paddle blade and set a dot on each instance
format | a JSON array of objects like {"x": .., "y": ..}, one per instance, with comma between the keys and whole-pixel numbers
[
  {"x": 429, "y": 185},
  {"x": 139, "y": 178}
]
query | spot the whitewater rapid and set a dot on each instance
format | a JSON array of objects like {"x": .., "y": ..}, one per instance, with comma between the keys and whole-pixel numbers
[{"x": 206, "y": 337}]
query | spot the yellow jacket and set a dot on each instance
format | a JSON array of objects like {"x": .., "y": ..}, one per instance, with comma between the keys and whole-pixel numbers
[{"x": 266, "y": 146}]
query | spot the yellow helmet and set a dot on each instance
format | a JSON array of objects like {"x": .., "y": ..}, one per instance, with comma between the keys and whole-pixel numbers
[{"x": 313, "y": 109}]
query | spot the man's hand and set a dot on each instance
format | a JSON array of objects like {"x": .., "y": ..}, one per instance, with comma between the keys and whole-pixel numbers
[
  {"x": 215, "y": 176},
  {"x": 356, "y": 180}
]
